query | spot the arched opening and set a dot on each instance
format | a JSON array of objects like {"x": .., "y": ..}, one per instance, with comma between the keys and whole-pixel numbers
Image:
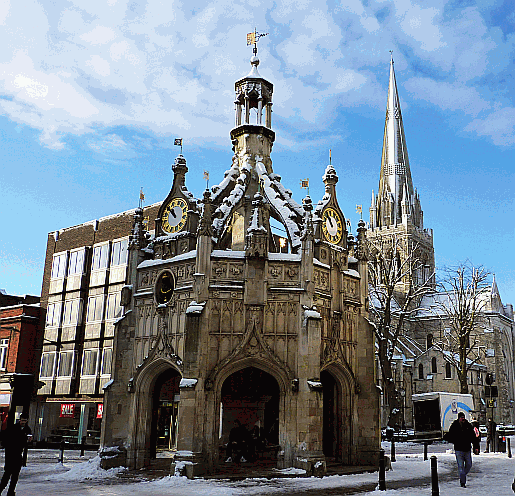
[
  {"x": 434, "y": 368},
  {"x": 249, "y": 415},
  {"x": 332, "y": 418},
  {"x": 165, "y": 406}
]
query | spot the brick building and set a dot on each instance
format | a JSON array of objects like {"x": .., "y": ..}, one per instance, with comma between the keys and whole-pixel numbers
[{"x": 19, "y": 357}]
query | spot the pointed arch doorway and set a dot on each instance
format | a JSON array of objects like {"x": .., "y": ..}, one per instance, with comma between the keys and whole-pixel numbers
[{"x": 165, "y": 406}]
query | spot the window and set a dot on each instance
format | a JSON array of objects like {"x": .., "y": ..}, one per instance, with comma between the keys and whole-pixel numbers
[
  {"x": 47, "y": 365},
  {"x": 76, "y": 265},
  {"x": 89, "y": 362},
  {"x": 53, "y": 314},
  {"x": 479, "y": 378},
  {"x": 490, "y": 352},
  {"x": 65, "y": 367},
  {"x": 107, "y": 357},
  {"x": 95, "y": 308},
  {"x": 433, "y": 365},
  {"x": 4, "y": 348},
  {"x": 119, "y": 252},
  {"x": 100, "y": 257},
  {"x": 448, "y": 371},
  {"x": 114, "y": 310},
  {"x": 429, "y": 340},
  {"x": 71, "y": 312},
  {"x": 420, "y": 371},
  {"x": 58, "y": 266}
]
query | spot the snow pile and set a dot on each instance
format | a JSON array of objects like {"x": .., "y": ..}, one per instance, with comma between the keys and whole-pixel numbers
[{"x": 87, "y": 471}]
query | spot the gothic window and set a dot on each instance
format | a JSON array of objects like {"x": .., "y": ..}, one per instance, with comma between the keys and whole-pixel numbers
[
  {"x": 76, "y": 265},
  {"x": 429, "y": 340},
  {"x": 89, "y": 362},
  {"x": 420, "y": 371},
  {"x": 58, "y": 265},
  {"x": 119, "y": 252},
  {"x": 448, "y": 371},
  {"x": 433, "y": 365},
  {"x": 4, "y": 347}
]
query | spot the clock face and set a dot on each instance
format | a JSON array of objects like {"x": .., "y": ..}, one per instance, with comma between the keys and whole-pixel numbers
[
  {"x": 332, "y": 226},
  {"x": 174, "y": 215}
]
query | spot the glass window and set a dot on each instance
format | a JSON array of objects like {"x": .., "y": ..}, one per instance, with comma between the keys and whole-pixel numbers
[
  {"x": 71, "y": 312},
  {"x": 420, "y": 371},
  {"x": 53, "y": 314},
  {"x": 89, "y": 362},
  {"x": 448, "y": 371},
  {"x": 4, "y": 347},
  {"x": 107, "y": 357},
  {"x": 433, "y": 365},
  {"x": 47, "y": 364},
  {"x": 114, "y": 310},
  {"x": 65, "y": 364},
  {"x": 58, "y": 265},
  {"x": 429, "y": 341},
  {"x": 119, "y": 252},
  {"x": 76, "y": 265},
  {"x": 100, "y": 257},
  {"x": 95, "y": 308}
]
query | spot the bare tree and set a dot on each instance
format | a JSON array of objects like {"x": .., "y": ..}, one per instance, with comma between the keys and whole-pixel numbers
[
  {"x": 461, "y": 307},
  {"x": 398, "y": 279}
]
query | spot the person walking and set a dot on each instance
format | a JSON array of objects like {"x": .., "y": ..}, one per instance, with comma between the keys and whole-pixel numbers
[
  {"x": 462, "y": 435},
  {"x": 491, "y": 429},
  {"x": 14, "y": 440}
]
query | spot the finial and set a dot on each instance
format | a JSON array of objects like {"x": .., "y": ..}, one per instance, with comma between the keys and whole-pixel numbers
[
  {"x": 304, "y": 184},
  {"x": 391, "y": 56},
  {"x": 329, "y": 156},
  {"x": 253, "y": 38},
  {"x": 178, "y": 142},
  {"x": 206, "y": 178},
  {"x": 141, "y": 197}
]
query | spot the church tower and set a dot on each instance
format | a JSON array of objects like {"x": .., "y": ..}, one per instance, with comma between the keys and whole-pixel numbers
[{"x": 396, "y": 209}]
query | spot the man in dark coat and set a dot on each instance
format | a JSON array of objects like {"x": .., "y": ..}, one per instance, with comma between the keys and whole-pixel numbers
[
  {"x": 14, "y": 440},
  {"x": 462, "y": 435},
  {"x": 239, "y": 442}
]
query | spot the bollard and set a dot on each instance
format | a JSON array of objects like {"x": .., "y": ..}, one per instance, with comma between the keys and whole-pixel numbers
[
  {"x": 509, "y": 447},
  {"x": 61, "y": 455},
  {"x": 425, "y": 451},
  {"x": 435, "y": 491},
  {"x": 382, "y": 478},
  {"x": 82, "y": 445},
  {"x": 392, "y": 452}
]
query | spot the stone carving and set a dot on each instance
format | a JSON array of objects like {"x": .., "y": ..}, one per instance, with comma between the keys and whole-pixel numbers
[
  {"x": 275, "y": 271},
  {"x": 236, "y": 270},
  {"x": 292, "y": 272},
  {"x": 218, "y": 270}
]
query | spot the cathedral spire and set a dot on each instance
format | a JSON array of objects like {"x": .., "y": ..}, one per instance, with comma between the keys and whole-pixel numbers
[{"x": 395, "y": 184}]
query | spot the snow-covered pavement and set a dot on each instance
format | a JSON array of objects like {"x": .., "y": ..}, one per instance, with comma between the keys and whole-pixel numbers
[{"x": 492, "y": 474}]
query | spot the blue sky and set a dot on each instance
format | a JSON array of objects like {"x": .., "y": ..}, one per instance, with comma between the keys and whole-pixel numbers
[{"x": 93, "y": 93}]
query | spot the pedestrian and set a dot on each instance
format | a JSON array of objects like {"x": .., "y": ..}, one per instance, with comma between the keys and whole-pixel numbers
[
  {"x": 239, "y": 443},
  {"x": 491, "y": 429},
  {"x": 462, "y": 435},
  {"x": 14, "y": 440}
]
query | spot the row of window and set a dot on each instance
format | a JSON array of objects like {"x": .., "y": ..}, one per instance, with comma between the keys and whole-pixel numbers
[
  {"x": 448, "y": 372},
  {"x": 72, "y": 311},
  {"x": 62, "y": 265},
  {"x": 54, "y": 364}
]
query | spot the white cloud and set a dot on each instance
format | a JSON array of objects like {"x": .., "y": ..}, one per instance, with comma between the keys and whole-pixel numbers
[{"x": 499, "y": 126}]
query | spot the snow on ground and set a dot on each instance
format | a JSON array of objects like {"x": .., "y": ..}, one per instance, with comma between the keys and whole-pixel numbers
[{"x": 491, "y": 474}]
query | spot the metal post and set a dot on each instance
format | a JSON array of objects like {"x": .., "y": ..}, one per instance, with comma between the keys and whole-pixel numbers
[
  {"x": 382, "y": 474},
  {"x": 435, "y": 491},
  {"x": 61, "y": 455},
  {"x": 82, "y": 445},
  {"x": 509, "y": 446},
  {"x": 392, "y": 452},
  {"x": 425, "y": 451}
]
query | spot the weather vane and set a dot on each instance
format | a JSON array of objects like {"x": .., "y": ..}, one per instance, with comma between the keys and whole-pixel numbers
[
  {"x": 178, "y": 142},
  {"x": 304, "y": 184},
  {"x": 141, "y": 197},
  {"x": 253, "y": 38}
]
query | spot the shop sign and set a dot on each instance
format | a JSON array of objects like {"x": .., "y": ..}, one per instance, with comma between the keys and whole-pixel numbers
[
  {"x": 67, "y": 410},
  {"x": 100, "y": 410}
]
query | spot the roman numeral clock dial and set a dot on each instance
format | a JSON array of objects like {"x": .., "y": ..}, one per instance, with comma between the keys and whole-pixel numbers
[
  {"x": 332, "y": 226},
  {"x": 174, "y": 215}
]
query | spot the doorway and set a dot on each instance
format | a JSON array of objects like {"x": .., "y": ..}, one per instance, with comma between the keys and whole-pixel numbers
[{"x": 332, "y": 418}]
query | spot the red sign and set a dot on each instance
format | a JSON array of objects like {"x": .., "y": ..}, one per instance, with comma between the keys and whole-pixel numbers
[
  {"x": 67, "y": 410},
  {"x": 100, "y": 410}
]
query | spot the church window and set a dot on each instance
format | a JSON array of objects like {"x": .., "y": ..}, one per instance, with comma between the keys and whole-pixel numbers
[
  {"x": 71, "y": 314},
  {"x": 420, "y": 371},
  {"x": 90, "y": 362},
  {"x": 119, "y": 252},
  {"x": 95, "y": 308},
  {"x": 448, "y": 371},
  {"x": 47, "y": 365},
  {"x": 65, "y": 367},
  {"x": 107, "y": 357},
  {"x": 100, "y": 256},
  {"x": 76, "y": 265},
  {"x": 429, "y": 340},
  {"x": 58, "y": 265},
  {"x": 114, "y": 310},
  {"x": 4, "y": 348},
  {"x": 433, "y": 365},
  {"x": 53, "y": 314}
]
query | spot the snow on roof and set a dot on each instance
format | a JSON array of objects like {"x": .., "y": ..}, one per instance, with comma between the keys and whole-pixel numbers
[
  {"x": 159, "y": 261},
  {"x": 284, "y": 257},
  {"x": 352, "y": 272},
  {"x": 227, "y": 254}
]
